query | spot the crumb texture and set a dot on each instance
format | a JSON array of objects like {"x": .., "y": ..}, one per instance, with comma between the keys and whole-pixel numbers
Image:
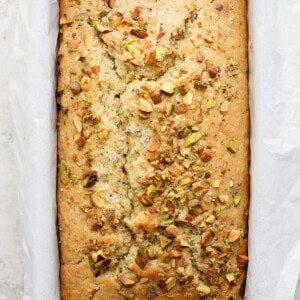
[{"x": 153, "y": 149}]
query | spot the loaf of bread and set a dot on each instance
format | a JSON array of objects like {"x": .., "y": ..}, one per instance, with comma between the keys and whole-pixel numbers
[{"x": 153, "y": 149}]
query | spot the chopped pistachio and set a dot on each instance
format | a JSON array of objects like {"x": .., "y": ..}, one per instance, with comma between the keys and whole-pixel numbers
[
  {"x": 134, "y": 51},
  {"x": 77, "y": 123},
  {"x": 236, "y": 199},
  {"x": 224, "y": 198},
  {"x": 210, "y": 219},
  {"x": 164, "y": 241},
  {"x": 230, "y": 277},
  {"x": 192, "y": 139},
  {"x": 169, "y": 107},
  {"x": 168, "y": 87},
  {"x": 145, "y": 106},
  {"x": 216, "y": 183},
  {"x": 185, "y": 181},
  {"x": 234, "y": 235},
  {"x": 185, "y": 244},
  {"x": 211, "y": 103},
  {"x": 64, "y": 173},
  {"x": 233, "y": 146},
  {"x": 151, "y": 190},
  {"x": 161, "y": 53},
  {"x": 203, "y": 289},
  {"x": 188, "y": 99},
  {"x": 170, "y": 283},
  {"x": 85, "y": 83}
]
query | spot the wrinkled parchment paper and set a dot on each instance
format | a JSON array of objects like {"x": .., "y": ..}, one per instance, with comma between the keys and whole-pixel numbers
[
  {"x": 274, "y": 244},
  {"x": 274, "y": 241},
  {"x": 32, "y": 97}
]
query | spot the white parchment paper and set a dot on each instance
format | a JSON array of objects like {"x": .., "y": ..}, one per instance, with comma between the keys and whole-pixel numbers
[
  {"x": 274, "y": 242},
  {"x": 34, "y": 28}
]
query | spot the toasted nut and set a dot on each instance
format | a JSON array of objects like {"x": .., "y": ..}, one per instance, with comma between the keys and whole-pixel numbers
[
  {"x": 205, "y": 238},
  {"x": 200, "y": 85},
  {"x": 224, "y": 107},
  {"x": 75, "y": 87},
  {"x": 78, "y": 139},
  {"x": 95, "y": 69},
  {"x": 111, "y": 3},
  {"x": 188, "y": 99},
  {"x": 168, "y": 87},
  {"x": 223, "y": 198},
  {"x": 128, "y": 279},
  {"x": 78, "y": 124},
  {"x": 90, "y": 179},
  {"x": 154, "y": 145},
  {"x": 164, "y": 241},
  {"x": 175, "y": 253},
  {"x": 184, "y": 244},
  {"x": 85, "y": 83},
  {"x": 73, "y": 44},
  {"x": 181, "y": 109},
  {"x": 169, "y": 107},
  {"x": 237, "y": 199},
  {"x": 64, "y": 173},
  {"x": 211, "y": 103},
  {"x": 145, "y": 106},
  {"x": 161, "y": 53},
  {"x": 233, "y": 146},
  {"x": 170, "y": 283},
  {"x": 134, "y": 51},
  {"x": 151, "y": 190},
  {"x": 64, "y": 20},
  {"x": 203, "y": 289},
  {"x": 175, "y": 169},
  {"x": 242, "y": 259},
  {"x": 193, "y": 203},
  {"x": 171, "y": 231},
  {"x": 230, "y": 277},
  {"x": 156, "y": 96},
  {"x": 234, "y": 235},
  {"x": 185, "y": 181},
  {"x": 210, "y": 219},
  {"x": 212, "y": 71},
  {"x": 192, "y": 139},
  {"x": 207, "y": 155},
  {"x": 216, "y": 183},
  {"x": 140, "y": 33},
  {"x": 136, "y": 13}
]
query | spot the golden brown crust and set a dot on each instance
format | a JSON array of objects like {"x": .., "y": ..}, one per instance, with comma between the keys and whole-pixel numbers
[{"x": 153, "y": 149}]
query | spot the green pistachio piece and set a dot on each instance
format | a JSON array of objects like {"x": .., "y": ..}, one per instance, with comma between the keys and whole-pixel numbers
[
  {"x": 169, "y": 107},
  {"x": 188, "y": 99},
  {"x": 211, "y": 103},
  {"x": 161, "y": 53},
  {"x": 230, "y": 277},
  {"x": 168, "y": 87},
  {"x": 236, "y": 199},
  {"x": 64, "y": 173},
  {"x": 151, "y": 190},
  {"x": 233, "y": 146},
  {"x": 134, "y": 51},
  {"x": 192, "y": 139}
]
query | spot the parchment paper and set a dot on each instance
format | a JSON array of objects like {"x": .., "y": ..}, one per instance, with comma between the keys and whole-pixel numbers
[
  {"x": 274, "y": 244},
  {"x": 32, "y": 95}
]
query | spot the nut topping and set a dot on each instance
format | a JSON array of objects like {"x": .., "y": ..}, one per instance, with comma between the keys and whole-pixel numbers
[
  {"x": 128, "y": 279},
  {"x": 234, "y": 235},
  {"x": 145, "y": 106},
  {"x": 142, "y": 34},
  {"x": 111, "y": 3},
  {"x": 90, "y": 179}
]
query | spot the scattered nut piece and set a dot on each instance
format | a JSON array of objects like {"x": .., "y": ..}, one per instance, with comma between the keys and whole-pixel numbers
[
  {"x": 78, "y": 124},
  {"x": 169, "y": 107},
  {"x": 154, "y": 145},
  {"x": 161, "y": 53},
  {"x": 230, "y": 277},
  {"x": 242, "y": 259},
  {"x": 175, "y": 169},
  {"x": 170, "y": 283},
  {"x": 224, "y": 198},
  {"x": 234, "y": 235},
  {"x": 73, "y": 44},
  {"x": 145, "y": 106},
  {"x": 216, "y": 183},
  {"x": 233, "y": 146},
  {"x": 210, "y": 219},
  {"x": 140, "y": 33},
  {"x": 95, "y": 69},
  {"x": 128, "y": 279},
  {"x": 192, "y": 139},
  {"x": 188, "y": 99},
  {"x": 203, "y": 289},
  {"x": 111, "y": 3},
  {"x": 175, "y": 253},
  {"x": 168, "y": 87},
  {"x": 164, "y": 241},
  {"x": 171, "y": 231},
  {"x": 237, "y": 199},
  {"x": 85, "y": 83},
  {"x": 90, "y": 179},
  {"x": 75, "y": 87}
]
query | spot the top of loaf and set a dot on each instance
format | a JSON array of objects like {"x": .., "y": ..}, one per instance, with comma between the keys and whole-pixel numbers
[{"x": 153, "y": 149}]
